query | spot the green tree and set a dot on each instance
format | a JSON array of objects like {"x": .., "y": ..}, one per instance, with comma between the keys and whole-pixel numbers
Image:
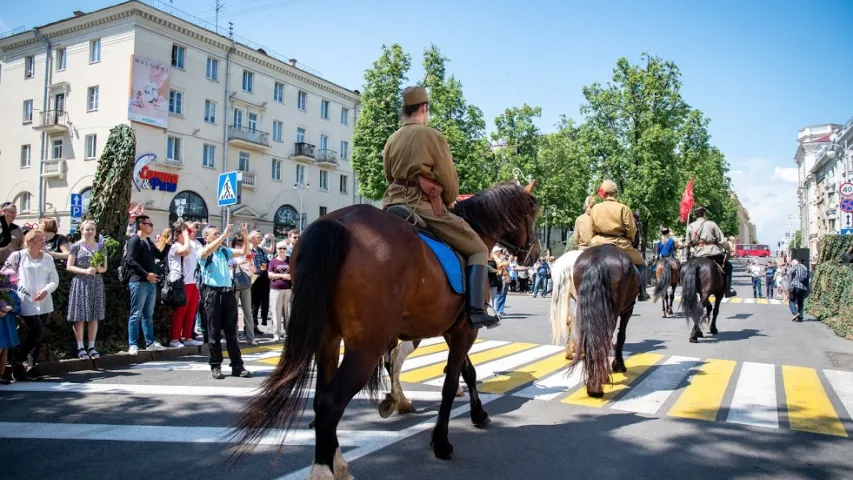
[
  {"x": 797, "y": 240},
  {"x": 112, "y": 185},
  {"x": 381, "y": 104}
]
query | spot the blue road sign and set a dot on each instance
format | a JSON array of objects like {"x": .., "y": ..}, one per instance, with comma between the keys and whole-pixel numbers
[
  {"x": 76, "y": 211},
  {"x": 228, "y": 192},
  {"x": 847, "y": 231},
  {"x": 76, "y": 200},
  {"x": 847, "y": 205}
]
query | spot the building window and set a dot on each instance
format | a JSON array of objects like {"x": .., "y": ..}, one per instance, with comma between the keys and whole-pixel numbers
[
  {"x": 28, "y": 111},
  {"x": 57, "y": 149},
  {"x": 278, "y": 92},
  {"x": 178, "y": 55},
  {"x": 26, "y": 155},
  {"x": 209, "y": 111},
  {"x": 344, "y": 150},
  {"x": 301, "y": 100},
  {"x": 91, "y": 146},
  {"x": 324, "y": 143},
  {"x": 300, "y": 135},
  {"x": 173, "y": 149},
  {"x": 243, "y": 162},
  {"x": 252, "y": 123},
  {"x": 286, "y": 219},
  {"x": 238, "y": 119},
  {"x": 300, "y": 174},
  {"x": 276, "y": 169},
  {"x": 29, "y": 67},
  {"x": 95, "y": 51},
  {"x": 212, "y": 69},
  {"x": 208, "y": 155},
  {"x": 176, "y": 102},
  {"x": 248, "y": 81},
  {"x": 92, "y": 99},
  {"x": 345, "y": 116},
  {"x": 60, "y": 59},
  {"x": 344, "y": 183},
  {"x": 324, "y": 179},
  {"x": 324, "y": 109},
  {"x": 189, "y": 207},
  {"x": 276, "y": 130},
  {"x": 25, "y": 201},
  {"x": 323, "y": 211},
  {"x": 86, "y": 198}
]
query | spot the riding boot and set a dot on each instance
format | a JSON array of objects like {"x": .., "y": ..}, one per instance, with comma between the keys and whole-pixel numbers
[
  {"x": 475, "y": 298},
  {"x": 643, "y": 294},
  {"x": 729, "y": 291}
]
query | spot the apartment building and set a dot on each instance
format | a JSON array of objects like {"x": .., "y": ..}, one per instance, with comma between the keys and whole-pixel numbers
[{"x": 200, "y": 103}]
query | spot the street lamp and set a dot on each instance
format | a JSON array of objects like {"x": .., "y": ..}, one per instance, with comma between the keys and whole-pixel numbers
[{"x": 301, "y": 187}]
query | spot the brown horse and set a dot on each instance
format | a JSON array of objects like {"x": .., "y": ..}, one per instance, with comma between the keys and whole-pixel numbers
[
  {"x": 667, "y": 272},
  {"x": 365, "y": 276},
  {"x": 607, "y": 284},
  {"x": 701, "y": 278}
]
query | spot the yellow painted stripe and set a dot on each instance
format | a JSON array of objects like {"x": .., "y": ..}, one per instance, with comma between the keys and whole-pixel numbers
[
  {"x": 262, "y": 348},
  {"x": 702, "y": 398},
  {"x": 437, "y": 370},
  {"x": 809, "y": 408},
  {"x": 636, "y": 364},
  {"x": 274, "y": 360},
  {"x": 736, "y": 300},
  {"x": 762, "y": 301},
  {"x": 524, "y": 375}
]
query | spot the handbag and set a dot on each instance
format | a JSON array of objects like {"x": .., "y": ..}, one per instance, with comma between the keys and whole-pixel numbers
[
  {"x": 241, "y": 280},
  {"x": 173, "y": 293}
]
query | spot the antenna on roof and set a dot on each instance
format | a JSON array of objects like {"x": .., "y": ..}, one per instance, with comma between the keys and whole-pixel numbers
[{"x": 218, "y": 5}]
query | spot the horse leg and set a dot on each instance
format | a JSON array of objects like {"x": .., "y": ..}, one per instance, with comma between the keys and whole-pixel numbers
[
  {"x": 397, "y": 399},
  {"x": 479, "y": 417},
  {"x": 619, "y": 362},
  {"x": 717, "y": 302},
  {"x": 329, "y": 405},
  {"x": 459, "y": 344}
]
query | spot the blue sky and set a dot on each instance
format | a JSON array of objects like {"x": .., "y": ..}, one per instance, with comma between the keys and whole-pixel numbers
[{"x": 760, "y": 70}]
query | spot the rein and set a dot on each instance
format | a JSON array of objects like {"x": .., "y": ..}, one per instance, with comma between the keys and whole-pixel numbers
[{"x": 518, "y": 251}]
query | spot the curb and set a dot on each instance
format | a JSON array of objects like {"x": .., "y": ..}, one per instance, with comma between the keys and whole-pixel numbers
[{"x": 61, "y": 367}]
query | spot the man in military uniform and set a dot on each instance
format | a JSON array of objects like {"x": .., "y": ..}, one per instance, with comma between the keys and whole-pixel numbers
[
  {"x": 708, "y": 240},
  {"x": 613, "y": 222},
  {"x": 583, "y": 225},
  {"x": 421, "y": 174}
]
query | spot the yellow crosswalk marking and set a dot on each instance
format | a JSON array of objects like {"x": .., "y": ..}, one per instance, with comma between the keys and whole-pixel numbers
[
  {"x": 262, "y": 348},
  {"x": 437, "y": 370},
  {"x": 274, "y": 360},
  {"x": 736, "y": 300},
  {"x": 636, "y": 364},
  {"x": 809, "y": 408},
  {"x": 524, "y": 375},
  {"x": 435, "y": 348},
  {"x": 702, "y": 398},
  {"x": 762, "y": 301}
]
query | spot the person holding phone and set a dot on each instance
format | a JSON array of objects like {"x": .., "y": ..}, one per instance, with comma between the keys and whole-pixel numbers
[
  {"x": 280, "y": 288},
  {"x": 141, "y": 256}
]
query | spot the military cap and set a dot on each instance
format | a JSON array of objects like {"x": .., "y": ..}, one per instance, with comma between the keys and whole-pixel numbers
[
  {"x": 414, "y": 96},
  {"x": 608, "y": 187}
]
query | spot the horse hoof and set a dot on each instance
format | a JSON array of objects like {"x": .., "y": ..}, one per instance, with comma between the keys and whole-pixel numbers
[
  {"x": 480, "y": 419},
  {"x": 444, "y": 451},
  {"x": 405, "y": 406},
  {"x": 618, "y": 368},
  {"x": 460, "y": 393},
  {"x": 693, "y": 340},
  {"x": 386, "y": 407},
  {"x": 313, "y": 423},
  {"x": 714, "y": 331},
  {"x": 594, "y": 394}
]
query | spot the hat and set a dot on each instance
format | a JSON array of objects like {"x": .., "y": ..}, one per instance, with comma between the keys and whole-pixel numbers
[
  {"x": 414, "y": 96},
  {"x": 607, "y": 188}
]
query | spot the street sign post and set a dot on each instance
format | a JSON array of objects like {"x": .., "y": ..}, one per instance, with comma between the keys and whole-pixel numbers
[
  {"x": 76, "y": 212},
  {"x": 847, "y": 231},
  {"x": 846, "y": 205},
  {"x": 846, "y": 189},
  {"x": 228, "y": 192},
  {"x": 846, "y": 220}
]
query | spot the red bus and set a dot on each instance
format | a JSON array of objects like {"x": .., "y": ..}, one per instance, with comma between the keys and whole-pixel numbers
[{"x": 751, "y": 250}]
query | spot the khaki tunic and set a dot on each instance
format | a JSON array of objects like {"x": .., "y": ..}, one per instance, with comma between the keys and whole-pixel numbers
[
  {"x": 613, "y": 222},
  {"x": 705, "y": 238},
  {"x": 583, "y": 231},
  {"x": 415, "y": 149}
]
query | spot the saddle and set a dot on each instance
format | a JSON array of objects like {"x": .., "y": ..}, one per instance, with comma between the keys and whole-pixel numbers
[{"x": 451, "y": 261}]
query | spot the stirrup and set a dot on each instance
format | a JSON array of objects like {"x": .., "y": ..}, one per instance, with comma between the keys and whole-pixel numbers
[{"x": 483, "y": 317}]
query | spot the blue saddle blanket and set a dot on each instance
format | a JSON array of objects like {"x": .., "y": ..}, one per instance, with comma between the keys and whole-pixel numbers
[{"x": 449, "y": 262}]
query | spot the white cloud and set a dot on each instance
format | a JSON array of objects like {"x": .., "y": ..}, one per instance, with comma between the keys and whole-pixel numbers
[{"x": 769, "y": 194}]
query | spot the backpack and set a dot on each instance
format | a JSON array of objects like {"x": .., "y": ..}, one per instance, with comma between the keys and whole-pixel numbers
[{"x": 123, "y": 272}]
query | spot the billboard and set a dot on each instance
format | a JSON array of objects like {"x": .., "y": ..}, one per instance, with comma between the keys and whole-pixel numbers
[{"x": 149, "y": 92}]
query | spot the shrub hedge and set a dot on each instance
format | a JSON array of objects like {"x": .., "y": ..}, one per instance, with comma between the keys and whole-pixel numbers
[{"x": 831, "y": 296}]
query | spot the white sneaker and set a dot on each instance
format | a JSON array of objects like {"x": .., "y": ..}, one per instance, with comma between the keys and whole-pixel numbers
[
  {"x": 192, "y": 343},
  {"x": 175, "y": 344},
  {"x": 133, "y": 350},
  {"x": 155, "y": 347},
  {"x": 275, "y": 338}
]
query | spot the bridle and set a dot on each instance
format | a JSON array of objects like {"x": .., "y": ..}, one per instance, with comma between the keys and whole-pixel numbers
[{"x": 520, "y": 252}]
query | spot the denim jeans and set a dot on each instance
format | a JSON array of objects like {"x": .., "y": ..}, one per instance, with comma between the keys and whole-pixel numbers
[
  {"x": 756, "y": 287},
  {"x": 540, "y": 285},
  {"x": 143, "y": 295}
]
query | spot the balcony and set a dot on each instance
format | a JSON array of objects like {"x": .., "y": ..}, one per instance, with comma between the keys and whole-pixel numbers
[
  {"x": 327, "y": 158},
  {"x": 53, "y": 168},
  {"x": 52, "y": 121},
  {"x": 303, "y": 152},
  {"x": 249, "y": 180},
  {"x": 248, "y": 138}
]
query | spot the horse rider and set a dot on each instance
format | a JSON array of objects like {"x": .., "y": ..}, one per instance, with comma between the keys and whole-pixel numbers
[
  {"x": 583, "y": 225},
  {"x": 421, "y": 174},
  {"x": 710, "y": 242},
  {"x": 667, "y": 245},
  {"x": 613, "y": 222}
]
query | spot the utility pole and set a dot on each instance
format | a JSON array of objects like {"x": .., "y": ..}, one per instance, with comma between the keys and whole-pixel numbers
[{"x": 218, "y": 6}]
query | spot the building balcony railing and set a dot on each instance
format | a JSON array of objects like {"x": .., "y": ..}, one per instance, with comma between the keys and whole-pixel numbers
[
  {"x": 303, "y": 152},
  {"x": 54, "y": 168},
  {"x": 52, "y": 121},
  {"x": 327, "y": 157},
  {"x": 249, "y": 180},
  {"x": 245, "y": 137}
]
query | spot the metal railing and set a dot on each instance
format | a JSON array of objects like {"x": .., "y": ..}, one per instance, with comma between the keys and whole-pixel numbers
[
  {"x": 248, "y": 179},
  {"x": 53, "y": 118},
  {"x": 249, "y": 135},
  {"x": 327, "y": 156},
  {"x": 54, "y": 167},
  {"x": 13, "y": 32},
  {"x": 302, "y": 149}
]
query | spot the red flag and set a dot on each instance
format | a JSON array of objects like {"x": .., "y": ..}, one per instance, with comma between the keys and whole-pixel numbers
[{"x": 686, "y": 201}]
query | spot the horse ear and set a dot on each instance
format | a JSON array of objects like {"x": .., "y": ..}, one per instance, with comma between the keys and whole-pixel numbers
[{"x": 529, "y": 187}]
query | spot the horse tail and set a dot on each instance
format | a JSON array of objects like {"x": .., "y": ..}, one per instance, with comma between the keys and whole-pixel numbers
[
  {"x": 691, "y": 287},
  {"x": 596, "y": 321},
  {"x": 315, "y": 265},
  {"x": 560, "y": 307},
  {"x": 663, "y": 283}
]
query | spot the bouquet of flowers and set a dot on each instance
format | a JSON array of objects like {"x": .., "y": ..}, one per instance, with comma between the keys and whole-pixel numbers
[{"x": 8, "y": 281}]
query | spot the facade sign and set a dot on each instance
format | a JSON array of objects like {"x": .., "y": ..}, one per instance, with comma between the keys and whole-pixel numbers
[
  {"x": 149, "y": 92},
  {"x": 146, "y": 178}
]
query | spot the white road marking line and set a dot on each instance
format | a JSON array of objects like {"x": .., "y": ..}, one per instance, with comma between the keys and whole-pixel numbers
[
  {"x": 441, "y": 357},
  {"x": 489, "y": 369},
  {"x": 755, "y": 402},
  {"x": 556, "y": 384},
  {"x": 842, "y": 384},
  {"x": 648, "y": 396}
]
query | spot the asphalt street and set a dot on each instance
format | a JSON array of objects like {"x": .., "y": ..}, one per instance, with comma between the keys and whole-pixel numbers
[{"x": 766, "y": 398}]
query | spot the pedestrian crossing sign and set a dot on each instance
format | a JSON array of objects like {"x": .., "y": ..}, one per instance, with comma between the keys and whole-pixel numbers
[{"x": 228, "y": 192}]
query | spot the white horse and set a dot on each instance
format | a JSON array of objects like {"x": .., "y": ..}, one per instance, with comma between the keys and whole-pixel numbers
[{"x": 564, "y": 302}]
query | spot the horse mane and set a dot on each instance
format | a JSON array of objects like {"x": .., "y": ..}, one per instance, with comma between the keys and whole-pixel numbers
[{"x": 498, "y": 210}]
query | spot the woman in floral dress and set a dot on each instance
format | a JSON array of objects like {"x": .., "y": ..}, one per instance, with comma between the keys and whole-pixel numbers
[{"x": 86, "y": 297}]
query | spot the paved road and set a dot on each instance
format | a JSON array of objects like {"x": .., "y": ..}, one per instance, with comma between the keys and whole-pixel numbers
[{"x": 766, "y": 398}]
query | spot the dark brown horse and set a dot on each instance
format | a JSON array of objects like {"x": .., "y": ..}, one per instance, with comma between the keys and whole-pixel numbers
[
  {"x": 607, "y": 284},
  {"x": 365, "y": 276},
  {"x": 701, "y": 278},
  {"x": 667, "y": 272}
]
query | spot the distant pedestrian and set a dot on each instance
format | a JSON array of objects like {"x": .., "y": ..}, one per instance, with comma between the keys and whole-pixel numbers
[{"x": 799, "y": 289}]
